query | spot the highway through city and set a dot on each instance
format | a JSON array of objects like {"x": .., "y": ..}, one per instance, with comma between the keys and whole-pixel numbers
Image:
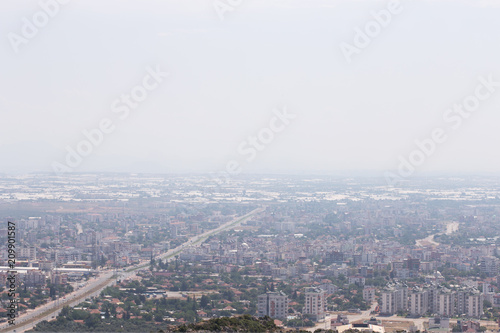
[{"x": 108, "y": 277}]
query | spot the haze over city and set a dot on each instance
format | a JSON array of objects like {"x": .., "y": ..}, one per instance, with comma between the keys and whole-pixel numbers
[{"x": 226, "y": 76}]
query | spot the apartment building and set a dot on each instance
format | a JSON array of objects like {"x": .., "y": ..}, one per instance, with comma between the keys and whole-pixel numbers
[
  {"x": 496, "y": 301},
  {"x": 489, "y": 266},
  {"x": 445, "y": 304},
  {"x": 315, "y": 303},
  {"x": 394, "y": 300},
  {"x": 419, "y": 302},
  {"x": 272, "y": 304},
  {"x": 474, "y": 304},
  {"x": 441, "y": 301},
  {"x": 369, "y": 294}
]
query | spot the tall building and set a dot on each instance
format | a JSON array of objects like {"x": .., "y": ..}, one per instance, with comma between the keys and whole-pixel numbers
[
  {"x": 369, "y": 294},
  {"x": 32, "y": 253},
  {"x": 273, "y": 304},
  {"x": 315, "y": 303},
  {"x": 334, "y": 257},
  {"x": 489, "y": 265},
  {"x": 496, "y": 301},
  {"x": 412, "y": 264},
  {"x": 432, "y": 297},
  {"x": 394, "y": 300},
  {"x": 474, "y": 304},
  {"x": 419, "y": 302},
  {"x": 469, "y": 303},
  {"x": 460, "y": 303},
  {"x": 436, "y": 300},
  {"x": 445, "y": 304}
]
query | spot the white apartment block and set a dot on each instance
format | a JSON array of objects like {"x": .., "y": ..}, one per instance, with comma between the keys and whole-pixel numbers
[
  {"x": 419, "y": 303},
  {"x": 315, "y": 303},
  {"x": 469, "y": 304},
  {"x": 272, "y": 304},
  {"x": 28, "y": 252},
  {"x": 394, "y": 300},
  {"x": 443, "y": 302},
  {"x": 496, "y": 301},
  {"x": 474, "y": 305},
  {"x": 445, "y": 305},
  {"x": 369, "y": 294},
  {"x": 490, "y": 266}
]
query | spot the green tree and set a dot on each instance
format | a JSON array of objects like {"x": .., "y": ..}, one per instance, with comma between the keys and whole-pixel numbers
[{"x": 204, "y": 301}]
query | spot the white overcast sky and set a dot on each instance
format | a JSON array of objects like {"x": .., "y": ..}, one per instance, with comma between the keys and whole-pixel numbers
[{"x": 227, "y": 76}]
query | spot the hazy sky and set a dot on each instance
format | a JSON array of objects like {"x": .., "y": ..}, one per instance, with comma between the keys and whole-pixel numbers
[{"x": 227, "y": 76}]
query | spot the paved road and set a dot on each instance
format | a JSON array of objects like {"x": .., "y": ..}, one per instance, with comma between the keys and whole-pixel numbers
[
  {"x": 107, "y": 278},
  {"x": 52, "y": 308},
  {"x": 196, "y": 240},
  {"x": 363, "y": 315}
]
